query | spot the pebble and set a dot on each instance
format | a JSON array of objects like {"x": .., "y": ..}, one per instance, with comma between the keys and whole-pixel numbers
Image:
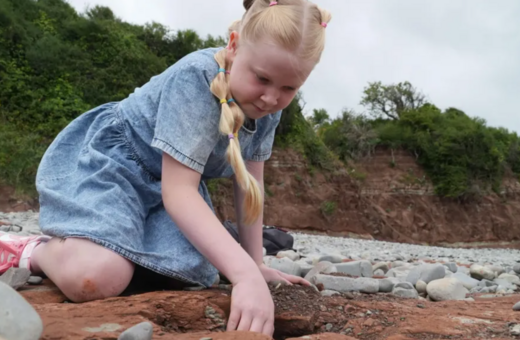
[
  {"x": 15, "y": 277},
  {"x": 452, "y": 266},
  {"x": 379, "y": 272},
  {"x": 446, "y": 289},
  {"x": 466, "y": 280},
  {"x": 421, "y": 286},
  {"x": 515, "y": 330},
  {"x": 405, "y": 290},
  {"x": 18, "y": 319},
  {"x": 510, "y": 278},
  {"x": 284, "y": 264},
  {"x": 480, "y": 272},
  {"x": 347, "y": 284},
  {"x": 386, "y": 285},
  {"x": 35, "y": 280},
  {"x": 356, "y": 268},
  {"x": 426, "y": 273},
  {"x": 516, "y": 268},
  {"x": 327, "y": 292},
  {"x": 383, "y": 266},
  {"x": 405, "y": 293},
  {"x": 290, "y": 254},
  {"x": 324, "y": 267},
  {"x": 516, "y": 307},
  {"x": 332, "y": 258},
  {"x": 142, "y": 331}
]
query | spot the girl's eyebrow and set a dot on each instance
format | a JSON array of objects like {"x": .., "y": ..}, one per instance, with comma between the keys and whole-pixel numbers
[{"x": 264, "y": 74}]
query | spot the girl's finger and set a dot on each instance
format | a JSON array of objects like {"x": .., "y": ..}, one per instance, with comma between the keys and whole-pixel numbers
[
  {"x": 296, "y": 279},
  {"x": 234, "y": 319},
  {"x": 245, "y": 323}
]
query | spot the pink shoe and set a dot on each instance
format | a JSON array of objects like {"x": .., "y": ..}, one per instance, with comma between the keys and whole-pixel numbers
[{"x": 16, "y": 251}]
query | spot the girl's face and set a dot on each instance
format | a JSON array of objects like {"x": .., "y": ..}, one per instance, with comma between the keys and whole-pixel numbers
[{"x": 264, "y": 77}]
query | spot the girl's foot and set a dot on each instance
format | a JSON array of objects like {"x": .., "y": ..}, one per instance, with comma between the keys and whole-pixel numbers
[{"x": 16, "y": 251}]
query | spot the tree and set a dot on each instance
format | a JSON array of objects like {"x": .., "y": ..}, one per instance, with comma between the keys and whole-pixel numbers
[
  {"x": 318, "y": 118},
  {"x": 391, "y": 100}
]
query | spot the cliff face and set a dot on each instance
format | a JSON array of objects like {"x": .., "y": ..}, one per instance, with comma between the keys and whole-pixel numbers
[{"x": 388, "y": 198}]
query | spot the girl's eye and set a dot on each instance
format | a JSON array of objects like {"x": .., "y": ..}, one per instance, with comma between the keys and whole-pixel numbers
[{"x": 262, "y": 79}]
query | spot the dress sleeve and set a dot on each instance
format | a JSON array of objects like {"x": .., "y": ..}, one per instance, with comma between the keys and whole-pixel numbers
[{"x": 188, "y": 117}]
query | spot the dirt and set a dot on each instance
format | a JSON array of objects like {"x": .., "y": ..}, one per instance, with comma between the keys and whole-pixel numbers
[{"x": 300, "y": 311}]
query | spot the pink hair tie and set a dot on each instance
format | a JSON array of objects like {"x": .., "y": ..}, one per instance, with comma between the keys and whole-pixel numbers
[
  {"x": 273, "y": 3},
  {"x": 324, "y": 24}
]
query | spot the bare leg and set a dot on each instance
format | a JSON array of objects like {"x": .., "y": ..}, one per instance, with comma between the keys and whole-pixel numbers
[{"x": 83, "y": 270}]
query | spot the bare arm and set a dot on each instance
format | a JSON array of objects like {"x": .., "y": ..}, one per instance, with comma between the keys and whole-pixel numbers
[
  {"x": 251, "y": 235},
  {"x": 200, "y": 225}
]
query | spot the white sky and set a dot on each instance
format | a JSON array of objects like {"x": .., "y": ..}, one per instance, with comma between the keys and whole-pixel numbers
[{"x": 460, "y": 53}]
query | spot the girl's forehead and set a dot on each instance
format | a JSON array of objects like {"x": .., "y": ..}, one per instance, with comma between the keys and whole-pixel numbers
[{"x": 277, "y": 62}]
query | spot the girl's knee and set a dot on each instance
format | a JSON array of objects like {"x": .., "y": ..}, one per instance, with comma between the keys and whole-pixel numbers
[{"x": 92, "y": 272}]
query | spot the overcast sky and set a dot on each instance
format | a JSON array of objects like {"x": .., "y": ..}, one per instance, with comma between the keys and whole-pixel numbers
[{"x": 460, "y": 53}]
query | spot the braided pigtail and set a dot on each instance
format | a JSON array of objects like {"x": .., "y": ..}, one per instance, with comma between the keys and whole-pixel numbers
[{"x": 231, "y": 120}]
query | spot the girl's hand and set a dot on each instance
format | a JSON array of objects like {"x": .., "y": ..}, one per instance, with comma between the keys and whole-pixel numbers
[
  {"x": 271, "y": 275},
  {"x": 252, "y": 307}
]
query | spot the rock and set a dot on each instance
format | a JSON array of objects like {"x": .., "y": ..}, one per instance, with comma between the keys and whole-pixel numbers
[
  {"x": 426, "y": 273},
  {"x": 285, "y": 265},
  {"x": 452, "y": 266},
  {"x": 332, "y": 258},
  {"x": 305, "y": 267},
  {"x": 142, "y": 331},
  {"x": 290, "y": 254},
  {"x": 516, "y": 307},
  {"x": 400, "y": 272},
  {"x": 515, "y": 330},
  {"x": 398, "y": 263},
  {"x": 504, "y": 284},
  {"x": 15, "y": 277},
  {"x": 322, "y": 267},
  {"x": 463, "y": 270},
  {"x": 404, "y": 285},
  {"x": 421, "y": 286},
  {"x": 323, "y": 336},
  {"x": 467, "y": 281},
  {"x": 405, "y": 290},
  {"x": 379, "y": 272},
  {"x": 327, "y": 292},
  {"x": 446, "y": 289},
  {"x": 356, "y": 268},
  {"x": 497, "y": 270},
  {"x": 480, "y": 272},
  {"x": 34, "y": 280},
  {"x": 516, "y": 268},
  {"x": 347, "y": 284},
  {"x": 405, "y": 293},
  {"x": 386, "y": 285},
  {"x": 510, "y": 278},
  {"x": 18, "y": 319},
  {"x": 380, "y": 266},
  {"x": 486, "y": 283}
]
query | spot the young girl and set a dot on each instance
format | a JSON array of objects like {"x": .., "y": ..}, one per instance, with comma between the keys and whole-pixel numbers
[{"x": 123, "y": 184}]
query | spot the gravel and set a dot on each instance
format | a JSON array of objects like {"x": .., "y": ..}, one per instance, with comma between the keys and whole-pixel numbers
[{"x": 339, "y": 247}]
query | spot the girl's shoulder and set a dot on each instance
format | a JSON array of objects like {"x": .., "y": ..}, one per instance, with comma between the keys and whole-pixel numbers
[{"x": 201, "y": 61}]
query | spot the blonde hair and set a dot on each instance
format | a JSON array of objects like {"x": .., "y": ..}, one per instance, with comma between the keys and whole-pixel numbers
[{"x": 295, "y": 25}]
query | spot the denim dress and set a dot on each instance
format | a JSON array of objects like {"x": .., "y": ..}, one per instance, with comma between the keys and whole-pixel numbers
[{"x": 100, "y": 179}]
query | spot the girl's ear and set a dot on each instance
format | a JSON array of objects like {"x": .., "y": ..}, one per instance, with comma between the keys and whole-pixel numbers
[{"x": 232, "y": 45}]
